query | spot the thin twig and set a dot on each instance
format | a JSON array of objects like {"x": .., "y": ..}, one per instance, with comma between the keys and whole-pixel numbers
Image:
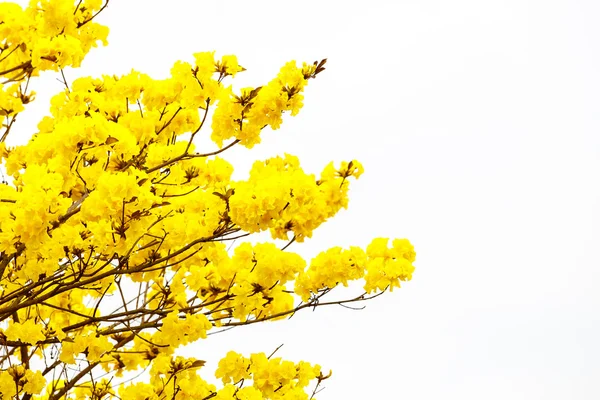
[{"x": 274, "y": 351}]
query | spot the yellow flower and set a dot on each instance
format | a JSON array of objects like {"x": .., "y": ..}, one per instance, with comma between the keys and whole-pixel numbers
[
  {"x": 35, "y": 382},
  {"x": 229, "y": 65},
  {"x": 138, "y": 391},
  {"x": 233, "y": 368},
  {"x": 7, "y": 385},
  {"x": 26, "y": 332}
]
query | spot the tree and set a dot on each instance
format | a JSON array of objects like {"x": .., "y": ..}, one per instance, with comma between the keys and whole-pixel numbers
[{"x": 115, "y": 230}]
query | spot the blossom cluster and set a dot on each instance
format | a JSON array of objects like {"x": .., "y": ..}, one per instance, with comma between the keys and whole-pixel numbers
[
  {"x": 47, "y": 35},
  {"x": 112, "y": 199}
]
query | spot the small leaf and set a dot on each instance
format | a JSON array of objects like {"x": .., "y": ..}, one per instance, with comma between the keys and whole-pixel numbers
[
  {"x": 198, "y": 364},
  {"x": 219, "y": 195}
]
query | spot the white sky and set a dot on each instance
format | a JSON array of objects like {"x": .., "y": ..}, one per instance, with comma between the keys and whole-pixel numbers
[{"x": 477, "y": 123}]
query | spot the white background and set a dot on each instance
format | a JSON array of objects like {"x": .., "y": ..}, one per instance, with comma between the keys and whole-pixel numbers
[{"x": 477, "y": 122}]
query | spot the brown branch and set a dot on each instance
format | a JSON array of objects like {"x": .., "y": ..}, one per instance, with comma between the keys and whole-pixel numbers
[
  {"x": 180, "y": 194},
  {"x": 64, "y": 81},
  {"x": 62, "y": 286},
  {"x": 10, "y": 52},
  {"x": 79, "y": 25},
  {"x": 73, "y": 381},
  {"x": 214, "y": 153},
  {"x": 8, "y": 127},
  {"x": 188, "y": 156},
  {"x": 77, "y": 7},
  {"x": 289, "y": 243},
  {"x": 72, "y": 210},
  {"x": 199, "y": 127},
  {"x": 275, "y": 351},
  {"x": 169, "y": 121},
  {"x": 25, "y": 65},
  {"x": 306, "y": 305}
]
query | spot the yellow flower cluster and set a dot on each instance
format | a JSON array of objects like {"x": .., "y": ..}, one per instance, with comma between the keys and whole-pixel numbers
[
  {"x": 115, "y": 229},
  {"x": 272, "y": 378},
  {"x": 281, "y": 197},
  {"x": 380, "y": 266},
  {"x": 257, "y": 377},
  {"x": 47, "y": 35},
  {"x": 92, "y": 345},
  {"x": 243, "y": 116},
  {"x": 16, "y": 380}
]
